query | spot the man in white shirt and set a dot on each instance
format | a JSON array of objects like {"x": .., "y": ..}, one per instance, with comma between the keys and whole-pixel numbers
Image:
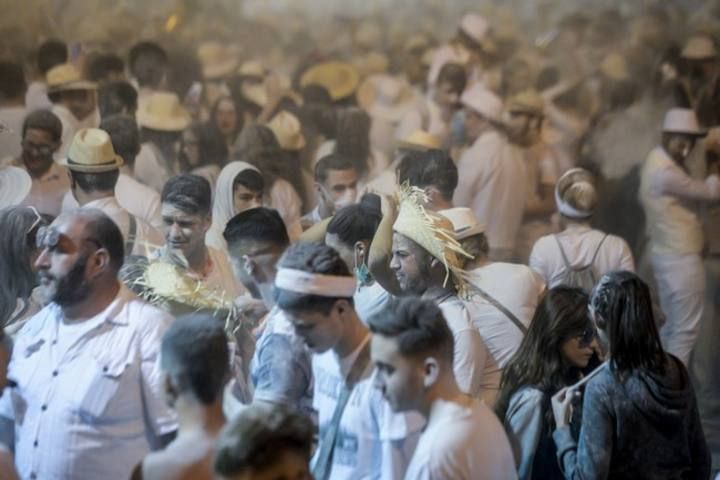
[
  {"x": 41, "y": 134},
  {"x": 89, "y": 400},
  {"x": 94, "y": 171},
  {"x": 412, "y": 349},
  {"x": 492, "y": 173},
  {"x": 50, "y": 54},
  {"x": 359, "y": 437},
  {"x": 668, "y": 194},
  {"x": 12, "y": 108},
  {"x": 336, "y": 185},
  {"x": 74, "y": 102},
  {"x": 140, "y": 200}
]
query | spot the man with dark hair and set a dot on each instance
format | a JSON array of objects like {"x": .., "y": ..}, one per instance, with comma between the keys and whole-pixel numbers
[
  {"x": 336, "y": 184},
  {"x": 185, "y": 205},
  {"x": 148, "y": 67},
  {"x": 242, "y": 450},
  {"x": 433, "y": 171},
  {"x": 359, "y": 436},
  {"x": 280, "y": 368},
  {"x": 94, "y": 171},
  {"x": 117, "y": 97},
  {"x": 412, "y": 349},
  {"x": 50, "y": 54},
  {"x": 105, "y": 67},
  {"x": 89, "y": 398},
  {"x": 139, "y": 200},
  {"x": 12, "y": 107},
  {"x": 195, "y": 362},
  {"x": 41, "y": 134}
]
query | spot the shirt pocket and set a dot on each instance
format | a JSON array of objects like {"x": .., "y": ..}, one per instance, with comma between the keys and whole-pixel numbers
[{"x": 97, "y": 386}]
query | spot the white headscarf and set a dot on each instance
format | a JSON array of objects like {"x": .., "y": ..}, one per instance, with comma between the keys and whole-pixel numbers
[{"x": 224, "y": 204}]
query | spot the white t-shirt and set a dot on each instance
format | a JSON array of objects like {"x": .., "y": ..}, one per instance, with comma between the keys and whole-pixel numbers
[
  {"x": 462, "y": 443},
  {"x": 370, "y": 299},
  {"x": 372, "y": 441},
  {"x": 579, "y": 242}
]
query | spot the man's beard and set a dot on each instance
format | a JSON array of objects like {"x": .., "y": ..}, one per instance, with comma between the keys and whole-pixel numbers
[{"x": 69, "y": 290}]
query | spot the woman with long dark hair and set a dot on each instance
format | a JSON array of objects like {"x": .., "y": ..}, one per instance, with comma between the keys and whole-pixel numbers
[
  {"x": 640, "y": 417},
  {"x": 203, "y": 151},
  {"x": 558, "y": 345},
  {"x": 225, "y": 116}
]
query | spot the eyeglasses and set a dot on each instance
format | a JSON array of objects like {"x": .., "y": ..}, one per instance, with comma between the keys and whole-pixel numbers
[
  {"x": 585, "y": 339},
  {"x": 49, "y": 237},
  {"x": 39, "y": 149},
  {"x": 38, "y": 220}
]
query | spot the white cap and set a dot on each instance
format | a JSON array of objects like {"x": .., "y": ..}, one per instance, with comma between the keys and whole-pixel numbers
[
  {"x": 483, "y": 101},
  {"x": 682, "y": 120},
  {"x": 465, "y": 223},
  {"x": 475, "y": 26}
]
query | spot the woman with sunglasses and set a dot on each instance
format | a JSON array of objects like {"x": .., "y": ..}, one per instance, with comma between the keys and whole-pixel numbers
[
  {"x": 18, "y": 252},
  {"x": 559, "y": 344},
  {"x": 640, "y": 417}
]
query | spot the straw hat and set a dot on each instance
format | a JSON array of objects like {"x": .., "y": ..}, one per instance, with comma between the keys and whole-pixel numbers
[
  {"x": 478, "y": 29},
  {"x": 339, "y": 79},
  {"x": 286, "y": 128},
  {"x": 386, "y": 97},
  {"x": 256, "y": 93},
  {"x": 217, "y": 61},
  {"x": 483, "y": 101},
  {"x": 527, "y": 101},
  {"x": 699, "y": 47},
  {"x": 682, "y": 120},
  {"x": 162, "y": 111},
  {"x": 91, "y": 151},
  {"x": 251, "y": 68},
  {"x": 15, "y": 184},
  {"x": 464, "y": 222},
  {"x": 614, "y": 67},
  {"x": 421, "y": 141},
  {"x": 67, "y": 77},
  {"x": 371, "y": 63}
]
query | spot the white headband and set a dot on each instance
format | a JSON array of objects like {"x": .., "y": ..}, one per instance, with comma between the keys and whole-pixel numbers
[
  {"x": 299, "y": 281},
  {"x": 568, "y": 210}
]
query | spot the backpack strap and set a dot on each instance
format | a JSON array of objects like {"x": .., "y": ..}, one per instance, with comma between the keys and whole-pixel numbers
[
  {"x": 597, "y": 250},
  {"x": 562, "y": 253},
  {"x": 130, "y": 242},
  {"x": 505, "y": 311}
]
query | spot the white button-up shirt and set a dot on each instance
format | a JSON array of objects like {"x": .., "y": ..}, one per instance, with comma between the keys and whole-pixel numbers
[
  {"x": 47, "y": 191},
  {"x": 92, "y": 410}
]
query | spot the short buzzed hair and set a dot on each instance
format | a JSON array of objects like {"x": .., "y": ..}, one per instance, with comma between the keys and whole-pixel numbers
[
  {"x": 331, "y": 162},
  {"x": 261, "y": 224},
  {"x": 124, "y": 135},
  {"x": 103, "y": 230},
  {"x": 417, "y": 325},
  {"x": 257, "y": 438},
  {"x": 430, "y": 168},
  {"x": 115, "y": 97},
  {"x": 43, "y": 120},
  {"x": 194, "y": 352},
  {"x": 189, "y": 193}
]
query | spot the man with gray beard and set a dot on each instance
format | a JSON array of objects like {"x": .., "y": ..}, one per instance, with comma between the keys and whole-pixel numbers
[{"x": 89, "y": 398}]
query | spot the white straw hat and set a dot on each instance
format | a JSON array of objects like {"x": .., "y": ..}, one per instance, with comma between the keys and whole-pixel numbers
[
  {"x": 286, "y": 128},
  {"x": 464, "y": 222},
  {"x": 163, "y": 111},
  {"x": 682, "y": 120}
]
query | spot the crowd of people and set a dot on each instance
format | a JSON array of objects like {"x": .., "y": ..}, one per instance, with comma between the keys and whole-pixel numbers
[{"x": 406, "y": 255}]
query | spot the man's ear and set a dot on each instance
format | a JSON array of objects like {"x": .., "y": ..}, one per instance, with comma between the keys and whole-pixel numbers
[
  {"x": 248, "y": 264},
  {"x": 100, "y": 262},
  {"x": 360, "y": 249},
  {"x": 208, "y": 223},
  {"x": 431, "y": 372}
]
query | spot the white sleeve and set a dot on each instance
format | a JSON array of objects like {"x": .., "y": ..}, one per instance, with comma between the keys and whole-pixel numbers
[
  {"x": 669, "y": 181},
  {"x": 537, "y": 262},
  {"x": 470, "y": 355}
]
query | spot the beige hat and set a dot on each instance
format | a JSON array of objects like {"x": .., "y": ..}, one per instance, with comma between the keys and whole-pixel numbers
[
  {"x": 464, "y": 222},
  {"x": 15, "y": 184},
  {"x": 163, "y": 111},
  {"x": 478, "y": 29},
  {"x": 91, "y": 151},
  {"x": 67, "y": 77},
  {"x": 217, "y": 60},
  {"x": 699, "y": 47},
  {"x": 420, "y": 140},
  {"x": 614, "y": 67},
  {"x": 682, "y": 120},
  {"x": 483, "y": 101},
  {"x": 339, "y": 79},
  {"x": 252, "y": 68},
  {"x": 256, "y": 93},
  {"x": 286, "y": 128},
  {"x": 386, "y": 97},
  {"x": 371, "y": 64},
  {"x": 527, "y": 101},
  {"x": 416, "y": 43}
]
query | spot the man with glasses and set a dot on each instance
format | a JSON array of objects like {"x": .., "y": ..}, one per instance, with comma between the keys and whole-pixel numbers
[
  {"x": 41, "y": 134},
  {"x": 89, "y": 396}
]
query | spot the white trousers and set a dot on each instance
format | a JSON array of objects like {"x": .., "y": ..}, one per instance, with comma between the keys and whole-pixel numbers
[{"x": 681, "y": 286}]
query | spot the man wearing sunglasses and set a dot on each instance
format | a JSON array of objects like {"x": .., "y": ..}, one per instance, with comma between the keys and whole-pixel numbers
[
  {"x": 89, "y": 396},
  {"x": 41, "y": 135}
]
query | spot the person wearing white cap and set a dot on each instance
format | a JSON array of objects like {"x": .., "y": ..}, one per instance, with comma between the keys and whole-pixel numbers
[
  {"x": 579, "y": 255},
  {"x": 675, "y": 233},
  {"x": 492, "y": 173},
  {"x": 94, "y": 170}
]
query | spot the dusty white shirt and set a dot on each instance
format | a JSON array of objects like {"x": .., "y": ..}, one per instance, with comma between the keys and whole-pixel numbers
[
  {"x": 99, "y": 408},
  {"x": 462, "y": 443},
  {"x": 579, "y": 242},
  {"x": 47, "y": 192},
  {"x": 150, "y": 168},
  {"x": 36, "y": 97},
  {"x": 138, "y": 199}
]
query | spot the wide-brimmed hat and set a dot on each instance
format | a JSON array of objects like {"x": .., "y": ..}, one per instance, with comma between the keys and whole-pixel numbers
[
  {"x": 386, "y": 97},
  {"x": 15, "y": 184},
  {"x": 91, "y": 151},
  {"x": 527, "y": 101},
  {"x": 252, "y": 68},
  {"x": 67, "y": 77},
  {"x": 682, "y": 120},
  {"x": 217, "y": 60},
  {"x": 477, "y": 28},
  {"x": 699, "y": 47},
  {"x": 287, "y": 130},
  {"x": 483, "y": 101},
  {"x": 163, "y": 111},
  {"x": 464, "y": 221},
  {"x": 420, "y": 141},
  {"x": 338, "y": 78}
]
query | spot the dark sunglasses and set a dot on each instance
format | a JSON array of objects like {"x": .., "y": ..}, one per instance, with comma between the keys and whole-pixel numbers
[{"x": 586, "y": 338}]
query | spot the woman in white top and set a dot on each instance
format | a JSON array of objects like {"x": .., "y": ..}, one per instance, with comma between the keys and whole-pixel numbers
[{"x": 579, "y": 255}]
